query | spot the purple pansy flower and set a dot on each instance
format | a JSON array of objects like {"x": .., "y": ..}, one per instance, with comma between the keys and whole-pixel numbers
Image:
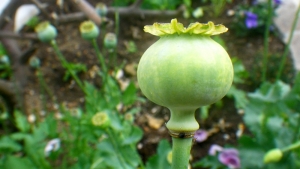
[
  {"x": 200, "y": 135},
  {"x": 251, "y": 20},
  {"x": 227, "y": 156},
  {"x": 230, "y": 158},
  {"x": 277, "y": 2}
]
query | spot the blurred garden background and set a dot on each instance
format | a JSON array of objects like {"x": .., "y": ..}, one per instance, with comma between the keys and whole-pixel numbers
[{"x": 74, "y": 102}]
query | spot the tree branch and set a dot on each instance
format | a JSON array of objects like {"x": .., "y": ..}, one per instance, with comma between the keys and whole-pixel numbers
[
  {"x": 10, "y": 34},
  {"x": 123, "y": 11}
]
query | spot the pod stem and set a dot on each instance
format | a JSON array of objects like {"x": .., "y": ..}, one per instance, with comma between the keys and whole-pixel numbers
[
  {"x": 182, "y": 126},
  {"x": 181, "y": 152},
  {"x": 182, "y": 120}
]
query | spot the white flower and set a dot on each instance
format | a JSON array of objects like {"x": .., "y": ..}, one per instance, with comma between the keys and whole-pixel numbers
[
  {"x": 23, "y": 14},
  {"x": 52, "y": 145}
]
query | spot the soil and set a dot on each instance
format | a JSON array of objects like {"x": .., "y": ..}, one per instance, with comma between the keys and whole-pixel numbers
[{"x": 227, "y": 119}]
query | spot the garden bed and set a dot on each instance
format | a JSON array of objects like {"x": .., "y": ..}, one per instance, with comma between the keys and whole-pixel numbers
[{"x": 151, "y": 118}]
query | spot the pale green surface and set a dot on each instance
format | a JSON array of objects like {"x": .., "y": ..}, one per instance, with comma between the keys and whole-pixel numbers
[
  {"x": 185, "y": 72},
  {"x": 181, "y": 152}
]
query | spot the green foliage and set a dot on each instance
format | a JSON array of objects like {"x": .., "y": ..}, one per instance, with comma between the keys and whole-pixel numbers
[
  {"x": 274, "y": 123},
  {"x": 240, "y": 74},
  {"x": 152, "y": 4},
  {"x": 161, "y": 4},
  {"x": 33, "y": 22},
  {"x": 160, "y": 159},
  {"x": 210, "y": 162},
  {"x": 131, "y": 47},
  {"x": 75, "y": 68},
  {"x": 260, "y": 9},
  {"x": 218, "y": 5},
  {"x": 5, "y": 68}
]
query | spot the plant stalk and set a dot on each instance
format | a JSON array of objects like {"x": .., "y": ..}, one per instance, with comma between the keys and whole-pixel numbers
[
  {"x": 66, "y": 64},
  {"x": 181, "y": 152},
  {"x": 287, "y": 47},
  {"x": 266, "y": 41},
  {"x": 292, "y": 147},
  {"x": 100, "y": 56}
]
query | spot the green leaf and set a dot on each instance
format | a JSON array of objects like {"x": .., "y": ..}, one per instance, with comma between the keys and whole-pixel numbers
[
  {"x": 9, "y": 145},
  {"x": 210, "y": 162},
  {"x": 12, "y": 162},
  {"x": 129, "y": 95},
  {"x": 271, "y": 92},
  {"x": 134, "y": 136},
  {"x": 251, "y": 153},
  {"x": 76, "y": 68},
  {"x": 21, "y": 122},
  {"x": 293, "y": 98},
  {"x": 240, "y": 97},
  {"x": 159, "y": 160}
]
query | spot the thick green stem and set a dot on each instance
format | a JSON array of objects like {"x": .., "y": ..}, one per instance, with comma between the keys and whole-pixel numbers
[
  {"x": 181, "y": 152},
  {"x": 287, "y": 47},
  {"x": 181, "y": 124},
  {"x": 182, "y": 120}
]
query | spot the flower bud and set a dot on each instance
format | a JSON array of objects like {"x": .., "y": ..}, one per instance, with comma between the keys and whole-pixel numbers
[
  {"x": 34, "y": 62},
  {"x": 273, "y": 155},
  {"x": 110, "y": 41},
  {"x": 101, "y": 9},
  {"x": 89, "y": 30},
  {"x": 169, "y": 157},
  {"x": 101, "y": 119},
  {"x": 129, "y": 117},
  {"x": 45, "y": 31}
]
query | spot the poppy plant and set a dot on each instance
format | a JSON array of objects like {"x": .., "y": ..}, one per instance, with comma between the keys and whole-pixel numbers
[{"x": 184, "y": 70}]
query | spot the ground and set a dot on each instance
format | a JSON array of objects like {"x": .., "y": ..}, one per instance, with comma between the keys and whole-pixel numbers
[{"x": 248, "y": 49}]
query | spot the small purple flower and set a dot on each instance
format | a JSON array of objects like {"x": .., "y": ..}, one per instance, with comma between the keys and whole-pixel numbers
[
  {"x": 230, "y": 158},
  {"x": 251, "y": 20},
  {"x": 227, "y": 156},
  {"x": 277, "y": 2},
  {"x": 200, "y": 135}
]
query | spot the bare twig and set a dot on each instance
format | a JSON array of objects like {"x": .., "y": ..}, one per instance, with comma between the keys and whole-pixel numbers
[
  {"x": 10, "y": 34},
  {"x": 42, "y": 8},
  {"x": 88, "y": 10},
  {"x": 123, "y": 11}
]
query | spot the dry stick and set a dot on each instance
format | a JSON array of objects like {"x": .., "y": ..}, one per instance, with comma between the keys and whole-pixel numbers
[
  {"x": 88, "y": 10},
  {"x": 126, "y": 11},
  {"x": 12, "y": 35},
  {"x": 42, "y": 8}
]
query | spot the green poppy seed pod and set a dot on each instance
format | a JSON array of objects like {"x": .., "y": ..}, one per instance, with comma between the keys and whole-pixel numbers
[
  {"x": 101, "y": 9},
  {"x": 34, "y": 62},
  {"x": 273, "y": 155},
  {"x": 45, "y": 31},
  {"x": 184, "y": 70},
  {"x": 89, "y": 30},
  {"x": 101, "y": 119},
  {"x": 110, "y": 41}
]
